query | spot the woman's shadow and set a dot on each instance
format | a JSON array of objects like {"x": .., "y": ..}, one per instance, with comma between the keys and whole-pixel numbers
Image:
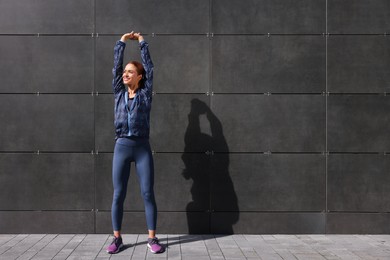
[
  {"x": 206, "y": 160},
  {"x": 212, "y": 190}
]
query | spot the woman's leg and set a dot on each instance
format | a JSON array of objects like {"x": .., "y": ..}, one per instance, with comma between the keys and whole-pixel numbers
[
  {"x": 120, "y": 177},
  {"x": 145, "y": 171}
]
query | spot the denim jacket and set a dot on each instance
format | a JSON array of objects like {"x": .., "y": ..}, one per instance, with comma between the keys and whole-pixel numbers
[{"x": 136, "y": 121}]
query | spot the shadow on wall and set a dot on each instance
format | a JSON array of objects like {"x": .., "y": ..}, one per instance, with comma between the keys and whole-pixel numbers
[{"x": 212, "y": 189}]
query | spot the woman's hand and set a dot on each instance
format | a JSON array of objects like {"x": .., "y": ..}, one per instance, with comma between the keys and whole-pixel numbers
[
  {"x": 127, "y": 36},
  {"x": 138, "y": 36},
  {"x": 132, "y": 36}
]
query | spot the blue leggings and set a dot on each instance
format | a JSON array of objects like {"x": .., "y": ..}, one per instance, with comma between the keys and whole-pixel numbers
[{"x": 136, "y": 150}]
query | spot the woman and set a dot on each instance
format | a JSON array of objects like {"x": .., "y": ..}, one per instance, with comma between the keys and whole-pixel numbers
[{"x": 132, "y": 89}]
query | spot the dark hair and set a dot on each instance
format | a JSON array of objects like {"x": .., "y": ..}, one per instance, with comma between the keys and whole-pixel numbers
[{"x": 140, "y": 70}]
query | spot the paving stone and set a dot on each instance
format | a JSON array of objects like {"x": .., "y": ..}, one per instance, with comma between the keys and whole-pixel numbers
[
  {"x": 136, "y": 257},
  {"x": 215, "y": 253},
  {"x": 173, "y": 255},
  {"x": 139, "y": 252},
  {"x": 18, "y": 249},
  {"x": 195, "y": 257},
  {"x": 12, "y": 242},
  {"x": 309, "y": 256},
  {"x": 5, "y": 239},
  {"x": 285, "y": 254},
  {"x": 233, "y": 253},
  {"x": 194, "y": 251},
  {"x": 226, "y": 243},
  {"x": 250, "y": 253},
  {"x": 32, "y": 252},
  {"x": 120, "y": 257},
  {"x": 269, "y": 256},
  {"x": 212, "y": 244},
  {"x": 68, "y": 249},
  {"x": 52, "y": 249},
  {"x": 216, "y": 257}
]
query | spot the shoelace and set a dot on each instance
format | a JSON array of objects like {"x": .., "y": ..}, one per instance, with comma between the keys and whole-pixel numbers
[
  {"x": 115, "y": 241},
  {"x": 154, "y": 241}
]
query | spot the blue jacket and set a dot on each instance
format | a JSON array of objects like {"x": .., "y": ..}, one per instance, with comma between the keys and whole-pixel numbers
[{"x": 136, "y": 121}]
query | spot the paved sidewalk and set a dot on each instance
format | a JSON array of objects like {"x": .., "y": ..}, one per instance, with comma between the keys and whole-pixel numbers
[{"x": 198, "y": 247}]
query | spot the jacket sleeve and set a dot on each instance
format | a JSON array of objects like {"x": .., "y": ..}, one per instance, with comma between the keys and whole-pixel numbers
[
  {"x": 148, "y": 66},
  {"x": 117, "y": 71}
]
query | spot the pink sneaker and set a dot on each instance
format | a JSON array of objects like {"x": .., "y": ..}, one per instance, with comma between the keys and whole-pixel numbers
[
  {"x": 155, "y": 246},
  {"x": 116, "y": 245}
]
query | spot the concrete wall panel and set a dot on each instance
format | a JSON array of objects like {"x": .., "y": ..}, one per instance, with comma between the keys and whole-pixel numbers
[
  {"x": 261, "y": 64},
  {"x": 46, "y": 181},
  {"x": 268, "y": 16},
  {"x": 47, "y": 123},
  {"x": 358, "y": 123},
  {"x": 358, "y": 16},
  {"x": 47, "y": 16},
  {"x": 269, "y": 223},
  {"x": 358, "y": 64},
  {"x": 259, "y": 123},
  {"x": 357, "y": 223},
  {"x": 152, "y": 16},
  {"x": 179, "y": 123},
  {"x": 277, "y": 182},
  {"x": 46, "y": 222},
  {"x": 353, "y": 184}
]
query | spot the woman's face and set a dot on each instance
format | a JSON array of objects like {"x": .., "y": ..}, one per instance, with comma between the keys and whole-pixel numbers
[{"x": 130, "y": 75}]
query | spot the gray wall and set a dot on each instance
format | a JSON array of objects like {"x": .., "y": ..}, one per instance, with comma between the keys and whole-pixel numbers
[{"x": 269, "y": 116}]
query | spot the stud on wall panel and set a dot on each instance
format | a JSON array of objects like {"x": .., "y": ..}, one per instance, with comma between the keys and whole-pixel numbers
[
  {"x": 50, "y": 64},
  {"x": 189, "y": 172},
  {"x": 358, "y": 183},
  {"x": 46, "y": 123},
  {"x": 278, "y": 123},
  {"x": 358, "y": 16},
  {"x": 358, "y": 123},
  {"x": 46, "y": 222},
  {"x": 172, "y": 16},
  {"x": 46, "y": 16},
  {"x": 181, "y": 63},
  {"x": 261, "y": 64},
  {"x": 277, "y": 182},
  {"x": 268, "y": 16},
  {"x": 358, "y": 64},
  {"x": 46, "y": 181}
]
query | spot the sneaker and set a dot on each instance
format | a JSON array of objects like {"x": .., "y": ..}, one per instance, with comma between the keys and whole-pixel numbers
[
  {"x": 155, "y": 246},
  {"x": 116, "y": 245}
]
